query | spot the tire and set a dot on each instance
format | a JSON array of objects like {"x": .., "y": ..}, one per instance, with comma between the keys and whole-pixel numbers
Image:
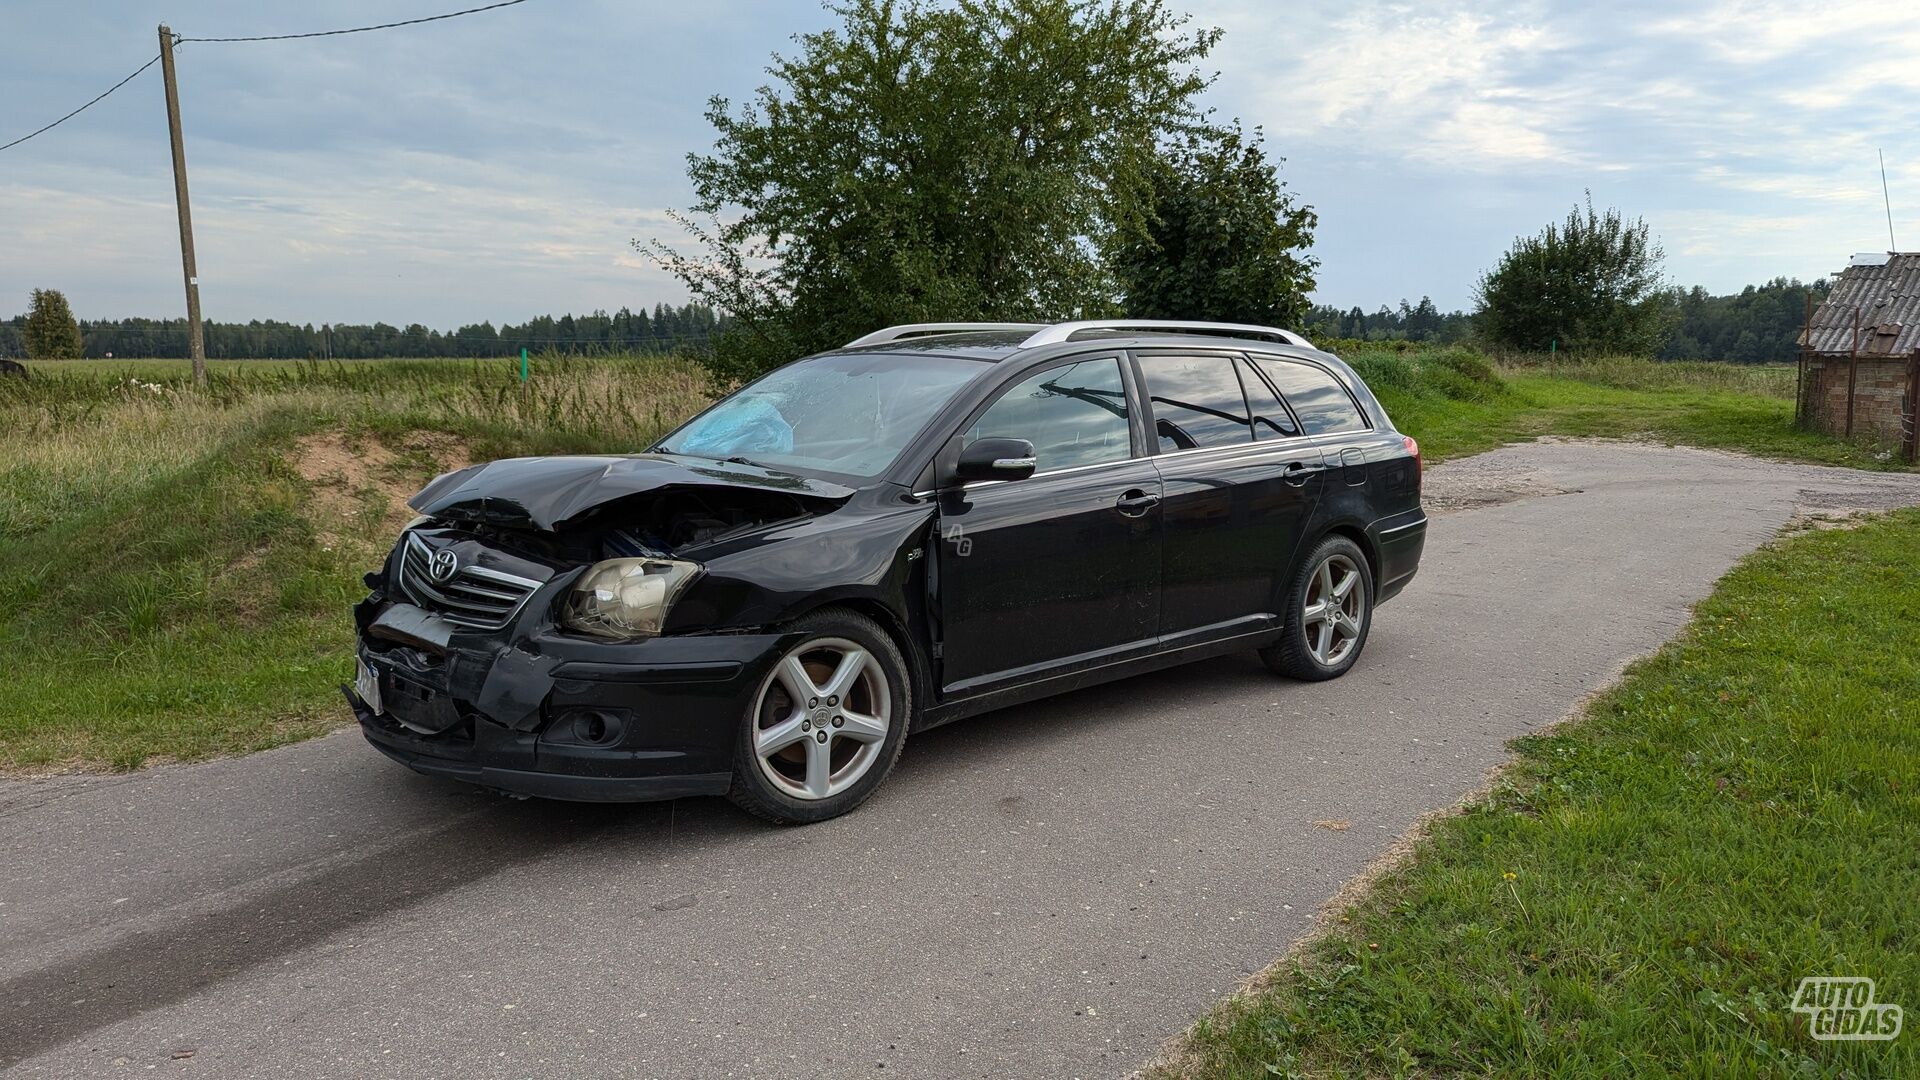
[
  {"x": 802, "y": 753},
  {"x": 1309, "y": 648}
]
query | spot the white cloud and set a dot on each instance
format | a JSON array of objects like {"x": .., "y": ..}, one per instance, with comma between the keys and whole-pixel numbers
[{"x": 1427, "y": 81}]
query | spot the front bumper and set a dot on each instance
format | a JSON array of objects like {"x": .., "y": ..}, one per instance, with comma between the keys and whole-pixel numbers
[{"x": 556, "y": 716}]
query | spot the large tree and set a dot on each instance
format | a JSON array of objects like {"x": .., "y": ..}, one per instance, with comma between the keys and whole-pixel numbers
[
  {"x": 51, "y": 333},
  {"x": 1221, "y": 237},
  {"x": 1590, "y": 283},
  {"x": 926, "y": 161}
]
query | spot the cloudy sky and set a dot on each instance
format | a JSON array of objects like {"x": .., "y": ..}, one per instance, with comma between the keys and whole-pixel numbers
[{"x": 496, "y": 166}]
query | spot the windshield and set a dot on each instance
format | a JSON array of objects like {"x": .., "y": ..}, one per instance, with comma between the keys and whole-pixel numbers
[{"x": 850, "y": 414}]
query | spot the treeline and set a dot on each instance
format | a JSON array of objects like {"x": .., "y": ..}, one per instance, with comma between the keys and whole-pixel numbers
[
  {"x": 1760, "y": 324},
  {"x": 1757, "y": 325},
  {"x": 1411, "y": 322},
  {"x": 666, "y": 328}
]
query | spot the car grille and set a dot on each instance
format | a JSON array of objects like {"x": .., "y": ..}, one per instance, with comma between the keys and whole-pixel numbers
[{"x": 474, "y": 597}]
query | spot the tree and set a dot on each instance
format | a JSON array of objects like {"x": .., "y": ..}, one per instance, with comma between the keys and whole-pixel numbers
[
  {"x": 1758, "y": 324},
  {"x": 929, "y": 160},
  {"x": 1423, "y": 321},
  {"x": 1591, "y": 283},
  {"x": 51, "y": 332},
  {"x": 1220, "y": 238}
]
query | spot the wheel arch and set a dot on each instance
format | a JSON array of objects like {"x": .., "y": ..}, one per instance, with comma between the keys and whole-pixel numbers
[
  {"x": 1359, "y": 536},
  {"x": 894, "y": 625}
]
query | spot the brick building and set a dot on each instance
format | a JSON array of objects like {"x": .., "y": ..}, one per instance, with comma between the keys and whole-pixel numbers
[{"x": 1860, "y": 353}]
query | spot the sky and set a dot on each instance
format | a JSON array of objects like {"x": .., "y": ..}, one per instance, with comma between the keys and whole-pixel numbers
[{"x": 498, "y": 166}]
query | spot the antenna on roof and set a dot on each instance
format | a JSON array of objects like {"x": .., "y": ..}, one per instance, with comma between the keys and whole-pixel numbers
[{"x": 1891, "y": 246}]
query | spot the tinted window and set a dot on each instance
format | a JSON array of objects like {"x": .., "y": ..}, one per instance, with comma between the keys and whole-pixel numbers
[
  {"x": 1197, "y": 401},
  {"x": 1270, "y": 419},
  {"x": 1073, "y": 415},
  {"x": 1318, "y": 399}
]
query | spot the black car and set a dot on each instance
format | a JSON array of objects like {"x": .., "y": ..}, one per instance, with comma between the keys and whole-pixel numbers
[{"x": 934, "y": 521}]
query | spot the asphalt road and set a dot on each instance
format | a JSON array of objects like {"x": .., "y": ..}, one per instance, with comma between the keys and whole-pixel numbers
[{"x": 1048, "y": 891}]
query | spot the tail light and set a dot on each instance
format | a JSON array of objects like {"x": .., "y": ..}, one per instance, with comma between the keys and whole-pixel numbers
[{"x": 1413, "y": 447}]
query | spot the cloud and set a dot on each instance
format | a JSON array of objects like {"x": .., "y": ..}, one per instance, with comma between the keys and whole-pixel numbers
[
  {"x": 498, "y": 166},
  {"x": 1430, "y": 81}
]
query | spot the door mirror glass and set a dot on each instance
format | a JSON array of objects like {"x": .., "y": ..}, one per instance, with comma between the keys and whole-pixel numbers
[{"x": 996, "y": 459}]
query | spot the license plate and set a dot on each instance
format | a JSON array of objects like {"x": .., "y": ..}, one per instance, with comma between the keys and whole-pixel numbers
[{"x": 367, "y": 684}]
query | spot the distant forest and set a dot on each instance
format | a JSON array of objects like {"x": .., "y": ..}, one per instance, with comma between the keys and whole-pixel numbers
[
  {"x": 665, "y": 328},
  {"x": 1758, "y": 324}
]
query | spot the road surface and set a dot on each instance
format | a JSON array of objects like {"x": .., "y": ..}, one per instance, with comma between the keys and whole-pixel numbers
[{"x": 1049, "y": 891}]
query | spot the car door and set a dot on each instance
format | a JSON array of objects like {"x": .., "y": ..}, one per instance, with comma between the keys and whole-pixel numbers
[
  {"x": 1239, "y": 483},
  {"x": 1062, "y": 569}
]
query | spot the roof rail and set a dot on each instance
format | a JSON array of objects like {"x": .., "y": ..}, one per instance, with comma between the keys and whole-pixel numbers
[
  {"x": 921, "y": 329},
  {"x": 1059, "y": 332}
]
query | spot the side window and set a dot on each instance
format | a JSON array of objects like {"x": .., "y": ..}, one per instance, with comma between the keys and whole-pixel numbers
[
  {"x": 1197, "y": 401},
  {"x": 1270, "y": 419},
  {"x": 1075, "y": 414},
  {"x": 1318, "y": 399}
]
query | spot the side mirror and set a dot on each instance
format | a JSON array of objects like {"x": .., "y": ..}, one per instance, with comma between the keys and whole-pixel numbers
[{"x": 996, "y": 459}]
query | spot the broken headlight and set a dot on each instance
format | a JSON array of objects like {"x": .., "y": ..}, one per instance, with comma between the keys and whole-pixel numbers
[{"x": 626, "y": 598}]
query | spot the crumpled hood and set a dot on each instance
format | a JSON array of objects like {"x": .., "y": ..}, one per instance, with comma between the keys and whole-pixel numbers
[{"x": 545, "y": 492}]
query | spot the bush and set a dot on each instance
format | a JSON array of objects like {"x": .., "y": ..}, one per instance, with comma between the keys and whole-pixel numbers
[{"x": 1456, "y": 372}]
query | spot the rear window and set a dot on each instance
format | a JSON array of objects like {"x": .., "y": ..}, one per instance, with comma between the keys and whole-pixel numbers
[
  {"x": 1197, "y": 402},
  {"x": 1318, "y": 399}
]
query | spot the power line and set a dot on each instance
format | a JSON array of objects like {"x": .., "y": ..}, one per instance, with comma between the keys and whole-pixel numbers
[
  {"x": 361, "y": 29},
  {"x": 269, "y": 37},
  {"x": 91, "y": 104}
]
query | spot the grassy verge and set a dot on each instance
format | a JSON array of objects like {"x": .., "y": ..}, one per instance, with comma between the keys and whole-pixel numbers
[
  {"x": 1455, "y": 403},
  {"x": 1643, "y": 888},
  {"x": 176, "y": 567}
]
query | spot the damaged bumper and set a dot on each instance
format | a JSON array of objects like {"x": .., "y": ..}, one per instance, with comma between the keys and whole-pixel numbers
[{"x": 552, "y": 715}]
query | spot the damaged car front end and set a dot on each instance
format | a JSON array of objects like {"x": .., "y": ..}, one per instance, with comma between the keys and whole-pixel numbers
[{"x": 590, "y": 628}]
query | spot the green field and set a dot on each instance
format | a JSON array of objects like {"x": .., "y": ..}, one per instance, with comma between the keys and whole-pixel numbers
[
  {"x": 176, "y": 565},
  {"x": 1640, "y": 893}
]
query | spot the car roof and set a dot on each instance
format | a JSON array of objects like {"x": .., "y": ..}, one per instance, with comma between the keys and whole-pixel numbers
[{"x": 997, "y": 345}]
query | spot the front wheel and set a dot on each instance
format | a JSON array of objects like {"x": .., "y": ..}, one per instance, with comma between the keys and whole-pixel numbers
[
  {"x": 1329, "y": 610},
  {"x": 826, "y": 724}
]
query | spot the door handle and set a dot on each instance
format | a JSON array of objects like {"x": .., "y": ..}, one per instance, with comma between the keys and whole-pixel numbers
[
  {"x": 1136, "y": 503},
  {"x": 1297, "y": 472}
]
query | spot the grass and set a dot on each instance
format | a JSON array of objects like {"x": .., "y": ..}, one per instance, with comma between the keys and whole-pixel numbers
[
  {"x": 1456, "y": 403},
  {"x": 1642, "y": 889},
  {"x": 176, "y": 566}
]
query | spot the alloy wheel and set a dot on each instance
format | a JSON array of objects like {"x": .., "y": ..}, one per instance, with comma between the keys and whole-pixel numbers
[
  {"x": 822, "y": 718},
  {"x": 1333, "y": 610}
]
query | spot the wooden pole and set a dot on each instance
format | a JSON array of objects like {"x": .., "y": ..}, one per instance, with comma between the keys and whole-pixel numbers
[
  {"x": 1800, "y": 410},
  {"x": 1910, "y": 435},
  {"x": 196, "y": 336},
  {"x": 1853, "y": 368}
]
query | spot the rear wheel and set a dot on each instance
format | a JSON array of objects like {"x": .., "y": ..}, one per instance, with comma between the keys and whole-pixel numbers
[
  {"x": 1329, "y": 610},
  {"x": 827, "y": 723}
]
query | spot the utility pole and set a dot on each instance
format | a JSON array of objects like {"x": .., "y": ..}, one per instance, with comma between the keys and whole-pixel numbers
[{"x": 196, "y": 337}]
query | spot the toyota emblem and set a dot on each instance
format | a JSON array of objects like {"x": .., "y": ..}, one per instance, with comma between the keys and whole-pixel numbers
[{"x": 443, "y": 565}]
